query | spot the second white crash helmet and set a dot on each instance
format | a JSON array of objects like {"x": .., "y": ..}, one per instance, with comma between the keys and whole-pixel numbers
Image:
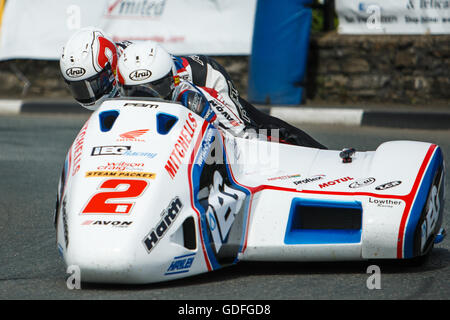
[
  {"x": 88, "y": 65},
  {"x": 146, "y": 69}
]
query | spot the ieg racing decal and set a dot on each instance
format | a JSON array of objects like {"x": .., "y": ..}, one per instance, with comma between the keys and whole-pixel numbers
[
  {"x": 109, "y": 150},
  {"x": 120, "y": 151}
]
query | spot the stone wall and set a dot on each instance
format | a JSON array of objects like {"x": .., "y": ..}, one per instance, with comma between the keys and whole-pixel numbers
[
  {"x": 380, "y": 69},
  {"x": 29, "y": 79},
  {"x": 341, "y": 69}
]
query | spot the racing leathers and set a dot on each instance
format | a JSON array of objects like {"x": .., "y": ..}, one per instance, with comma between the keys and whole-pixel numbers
[{"x": 234, "y": 114}]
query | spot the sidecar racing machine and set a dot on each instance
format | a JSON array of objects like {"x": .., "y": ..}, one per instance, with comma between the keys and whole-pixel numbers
[{"x": 152, "y": 192}]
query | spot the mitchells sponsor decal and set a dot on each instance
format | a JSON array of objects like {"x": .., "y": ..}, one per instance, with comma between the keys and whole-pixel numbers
[{"x": 181, "y": 146}]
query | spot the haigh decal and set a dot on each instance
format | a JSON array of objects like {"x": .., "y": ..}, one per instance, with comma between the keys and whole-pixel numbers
[{"x": 168, "y": 217}]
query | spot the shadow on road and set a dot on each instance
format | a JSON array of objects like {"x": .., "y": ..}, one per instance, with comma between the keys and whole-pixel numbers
[{"x": 438, "y": 259}]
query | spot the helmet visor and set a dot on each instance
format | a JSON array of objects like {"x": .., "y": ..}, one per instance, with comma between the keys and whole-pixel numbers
[
  {"x": 88, "y": 91},
  {"x": 161, "y": 88}
]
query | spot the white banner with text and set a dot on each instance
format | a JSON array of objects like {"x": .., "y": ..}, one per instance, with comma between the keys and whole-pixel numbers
[
  {"x": 393, "y": 17},
  {"x": 39, "y": 29}
]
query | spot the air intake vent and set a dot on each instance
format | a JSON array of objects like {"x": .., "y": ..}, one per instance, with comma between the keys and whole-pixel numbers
[
  {"x": 186, "y": 235},
  {"x": 165, "y": 122},
  {"x": 189, "y": 236},
  {"x": 320, "y": 222},
  {"x": 107, "y": 119}
]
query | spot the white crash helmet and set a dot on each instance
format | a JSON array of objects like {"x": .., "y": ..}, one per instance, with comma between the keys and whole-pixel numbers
[
  {"x": 88, "y": 64},
  {"x": 146, "y": 69}
]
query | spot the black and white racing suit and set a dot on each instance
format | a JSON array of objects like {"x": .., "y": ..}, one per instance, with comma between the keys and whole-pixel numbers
[{"x": 234, "y": 113}]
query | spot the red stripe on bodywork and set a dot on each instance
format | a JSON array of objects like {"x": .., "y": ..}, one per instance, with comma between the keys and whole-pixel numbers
[
  {"x": 191, "y": 190},
  {"x": 408, "y": 199}
]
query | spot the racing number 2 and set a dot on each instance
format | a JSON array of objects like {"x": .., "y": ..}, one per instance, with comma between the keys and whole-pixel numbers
[{"x": 101, "y": 201}]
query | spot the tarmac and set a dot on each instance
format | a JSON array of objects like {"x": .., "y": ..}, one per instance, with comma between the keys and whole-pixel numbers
[{"x": 393, "y": 116}]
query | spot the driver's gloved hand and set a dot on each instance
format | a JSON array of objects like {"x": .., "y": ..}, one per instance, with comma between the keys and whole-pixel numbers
[{"x": 197, "y": 103}]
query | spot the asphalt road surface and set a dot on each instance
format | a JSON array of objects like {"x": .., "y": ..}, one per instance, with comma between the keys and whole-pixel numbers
[{"x": 32, "y": 151}]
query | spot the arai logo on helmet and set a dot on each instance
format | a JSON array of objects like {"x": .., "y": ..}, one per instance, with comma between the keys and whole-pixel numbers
[
  {"x": 140, "y": 74},
  {"x": 75, "y": 72}
]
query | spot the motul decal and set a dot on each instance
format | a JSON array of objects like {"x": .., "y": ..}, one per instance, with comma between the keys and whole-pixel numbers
[{"x": 334, "y": 182}]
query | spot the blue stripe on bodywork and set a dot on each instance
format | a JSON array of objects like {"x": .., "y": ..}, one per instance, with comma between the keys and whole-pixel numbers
[
  {"x": 196, "y": 174},
  {"x": 419, "y": 203}
]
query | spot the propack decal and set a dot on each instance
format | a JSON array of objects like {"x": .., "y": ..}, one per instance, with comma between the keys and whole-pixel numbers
[{"x": 309, "y": 179}]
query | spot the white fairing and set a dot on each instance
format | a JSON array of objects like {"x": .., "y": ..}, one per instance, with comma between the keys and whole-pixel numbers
[{"x": 139, "y": 203}]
